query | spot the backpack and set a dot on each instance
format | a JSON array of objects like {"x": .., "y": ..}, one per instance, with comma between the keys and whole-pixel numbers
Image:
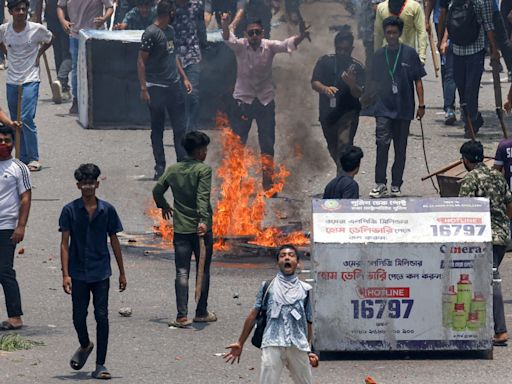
[{"x": 462, "y": 22}]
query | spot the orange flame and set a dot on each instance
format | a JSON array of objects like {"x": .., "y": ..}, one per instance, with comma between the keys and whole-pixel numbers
[{"x": 240, "y": 208}]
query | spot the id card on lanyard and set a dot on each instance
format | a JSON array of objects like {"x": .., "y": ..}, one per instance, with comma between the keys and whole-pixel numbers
[{"x": 392, "y": 71}]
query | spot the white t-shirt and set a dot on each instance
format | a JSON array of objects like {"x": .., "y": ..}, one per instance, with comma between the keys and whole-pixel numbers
[
  {"x": 22, "y": 49},
  {"x": 14, "y": 180}
]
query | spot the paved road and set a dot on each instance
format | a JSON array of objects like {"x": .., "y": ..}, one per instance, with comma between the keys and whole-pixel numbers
[{"x": 142, "y": 348}]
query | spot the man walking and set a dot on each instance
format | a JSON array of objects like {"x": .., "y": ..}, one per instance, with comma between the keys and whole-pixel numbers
[
  {"x": 254, "y": 90},
  {"x": 15, "y": 199},
  {"x": 339, "y": 80},
  {"x": 139, "y": 17},
  {"x": 190, "y": 31},
  {"x": 85, "y": 224},
  {"x": 397, "y": 70},
  {"x": 411, "y": 13},
  {"x": 24, "y": 42},
  {"x": 160, "y": 70},
  {"x": 482, "y": 181},
  {"x": 83, "y": 14},
  {"x": 287, "y": 336},
  {"x": 467, "y": 34},
  {"x": 190, "y": 181}
]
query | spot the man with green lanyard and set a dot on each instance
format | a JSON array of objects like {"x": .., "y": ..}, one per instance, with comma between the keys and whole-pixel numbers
[{"x": 396, "y": 71}]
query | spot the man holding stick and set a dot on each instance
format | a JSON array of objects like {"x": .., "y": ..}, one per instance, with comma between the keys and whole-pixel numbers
[
  {"x": 190, "y": 181},
  {"x": 24, "y": 42}
]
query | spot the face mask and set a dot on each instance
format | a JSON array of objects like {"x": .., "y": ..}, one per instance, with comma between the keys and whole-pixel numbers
[{"x": 5, "y": 151}]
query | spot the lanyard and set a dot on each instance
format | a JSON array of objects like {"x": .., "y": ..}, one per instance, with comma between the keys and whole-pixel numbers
[{"x": 392, "y": 72}]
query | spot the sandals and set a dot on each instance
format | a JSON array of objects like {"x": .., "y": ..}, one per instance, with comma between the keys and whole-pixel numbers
[
  {"x": 80, "y": 357},
  {"x": 210, "y": 317},
  {"x": 181, "y": 323},
  {"x": 6, "y": 326},
  {"x": 101, "y": 373},
  {"x": 34, "y": 166}
]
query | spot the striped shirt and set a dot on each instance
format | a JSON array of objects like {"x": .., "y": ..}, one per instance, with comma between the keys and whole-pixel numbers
[{"x": 14, "y": 180}]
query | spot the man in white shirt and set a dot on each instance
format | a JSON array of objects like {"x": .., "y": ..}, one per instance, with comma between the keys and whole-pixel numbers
[
  {"x": 24, "y": 42},
  {"x": 15, "y": 197}
]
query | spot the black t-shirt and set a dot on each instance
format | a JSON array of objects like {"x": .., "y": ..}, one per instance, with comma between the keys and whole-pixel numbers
[
  {"x": 342, "y": 187},
  {"x": 398, "y": 105},
  {"x": 328, "y": 71},
  {"x": 444, "y": 3},
  {"x": 161, "y": 64}
]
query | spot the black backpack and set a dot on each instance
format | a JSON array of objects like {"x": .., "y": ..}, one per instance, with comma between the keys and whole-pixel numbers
[{"x": 462, "y": 22}]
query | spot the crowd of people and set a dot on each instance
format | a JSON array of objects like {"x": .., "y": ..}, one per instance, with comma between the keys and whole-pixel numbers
[{"x": 395, "y": 36}]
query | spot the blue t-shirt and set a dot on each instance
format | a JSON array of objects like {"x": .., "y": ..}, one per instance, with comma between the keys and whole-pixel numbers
[
  {"x": 89, "y": 258},
  {"x": 399, "y": 105}
]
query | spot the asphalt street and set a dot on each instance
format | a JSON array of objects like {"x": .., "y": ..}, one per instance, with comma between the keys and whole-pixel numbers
[{"x": 142, "y": 348}]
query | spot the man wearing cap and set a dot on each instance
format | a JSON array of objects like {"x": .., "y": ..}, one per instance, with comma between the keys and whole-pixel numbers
[
  {"x": 24, "y": 42},
  {"x": 482, "y": 181}
]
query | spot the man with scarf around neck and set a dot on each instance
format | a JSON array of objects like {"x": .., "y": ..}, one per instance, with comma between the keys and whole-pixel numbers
[
  {"x": 397, "y": 70},
  {"x": 287, "y": 335},
  {"x": 15, "y": 198},
  {"x": 412, "y": 14},
  {"x": 482, "y": 181},
  {"x": 339, "y": 81}
]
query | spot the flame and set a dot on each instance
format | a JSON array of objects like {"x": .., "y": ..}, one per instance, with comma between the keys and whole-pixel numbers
[{"x": 240, "y": 208}]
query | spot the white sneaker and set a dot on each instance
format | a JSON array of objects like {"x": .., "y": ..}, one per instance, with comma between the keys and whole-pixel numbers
[
  {"x": 379, "y": 191},
  {"x": 56, "y": 92}
]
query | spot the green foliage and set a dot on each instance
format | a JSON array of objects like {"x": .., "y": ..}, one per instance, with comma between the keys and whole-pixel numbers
[{"x": 13, "y": 342}]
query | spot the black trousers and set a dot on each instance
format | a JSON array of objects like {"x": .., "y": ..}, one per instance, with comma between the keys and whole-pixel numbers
[
  {"x": 172, "y": 100},
  {"x": 184, "y": 246},
  {"x": 81, "y": 294},
  {"x": 265, "y": 116},
  {"x": 498, "y": 308},
  {"x": 502, "y": 39},
  {"x": 61, "y": 53},
  {"x": 8, "y": 274},
  {"x": 391, "y": 130}
]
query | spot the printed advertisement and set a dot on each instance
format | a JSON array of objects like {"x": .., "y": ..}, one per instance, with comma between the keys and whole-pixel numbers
[{"x": 415, "y": 295}]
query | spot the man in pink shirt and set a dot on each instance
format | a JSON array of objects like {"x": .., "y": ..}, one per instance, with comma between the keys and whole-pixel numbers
[{"x": 254, "y": 91}]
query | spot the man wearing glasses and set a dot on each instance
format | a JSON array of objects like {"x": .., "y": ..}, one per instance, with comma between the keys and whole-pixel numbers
[{"x": 254, "y": 91}]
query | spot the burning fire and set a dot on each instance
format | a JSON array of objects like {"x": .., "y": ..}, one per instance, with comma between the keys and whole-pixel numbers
[{"x": 240, "y": 209}]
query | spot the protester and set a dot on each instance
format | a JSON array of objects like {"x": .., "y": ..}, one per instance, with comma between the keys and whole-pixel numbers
[
  {"x": 3, "y": 61},
  {"x": 259, "y": 10},
  {"x": 502, "y": 38},
  {"x": 339, "y": 79},
  {"x": 82, "y": 14},
  {"x": 397, "y": 70},
  {"x": 254, "y": 90},
  {"x": 61, "y": 54},
  {"x": 506, "y": 14},
  {"x": 24, "y": 42},
  {"x": 15, "y": 199},
  {"x": 413, "y": 17},
  {"x": 85, "y": 224},
  {"x": 366, "y": 27},
  {"x": 468, "y": 38},
  {"x": 235, "y": 8},
  {"x": 190, "y": 181},
  {"x": 190, "y": 31},
  {"x": 447, "y": 80},
  {"x": 289, "y": 327},
  {"x": 344, "y": 186},
  {"x": 159, "y": 70},
  {"x": 482, "y": 181},
  {"x": 139, "y": 17}
]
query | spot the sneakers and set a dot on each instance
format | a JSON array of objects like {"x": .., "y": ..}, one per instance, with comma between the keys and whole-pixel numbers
[
  {"x": 395, "y": 191},
  {"x": 74, "y": 108},
  {"x": 56, "y": 92},
  {"x": 449, "y": 117},
  {"x": 66, "y": 95},
  {"x": 379, "y": 191}
]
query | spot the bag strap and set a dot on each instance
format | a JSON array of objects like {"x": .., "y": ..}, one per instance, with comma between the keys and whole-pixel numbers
[{"x": 266, "y": 288}]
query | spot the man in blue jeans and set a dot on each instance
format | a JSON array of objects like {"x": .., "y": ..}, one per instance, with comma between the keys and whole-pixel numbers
[
  {"x": 83, "y": 14},
  {"x": 24, "y": 42},
  {"x": 190, "y": 181},
  {"x": 85, "y": 224},
  {"x": 190, "y": 35}
]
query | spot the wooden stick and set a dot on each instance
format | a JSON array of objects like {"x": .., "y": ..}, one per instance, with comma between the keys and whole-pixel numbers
[
  {"x": 447, "y": 168},
  {"x": 498, "y": 97},
  {"x": 200, "y": 269},
  {"x": 17, "y": 139},
  {"x": 433, "y": 50}
]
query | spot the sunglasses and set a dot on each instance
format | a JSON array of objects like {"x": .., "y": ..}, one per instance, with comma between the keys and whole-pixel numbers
[{"x": 253, "y": 32}]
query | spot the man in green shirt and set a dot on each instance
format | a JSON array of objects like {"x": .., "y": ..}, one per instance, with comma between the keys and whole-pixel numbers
[
  {"x": 482, "y": 181},
  {"x": 190, "y": 181}
]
